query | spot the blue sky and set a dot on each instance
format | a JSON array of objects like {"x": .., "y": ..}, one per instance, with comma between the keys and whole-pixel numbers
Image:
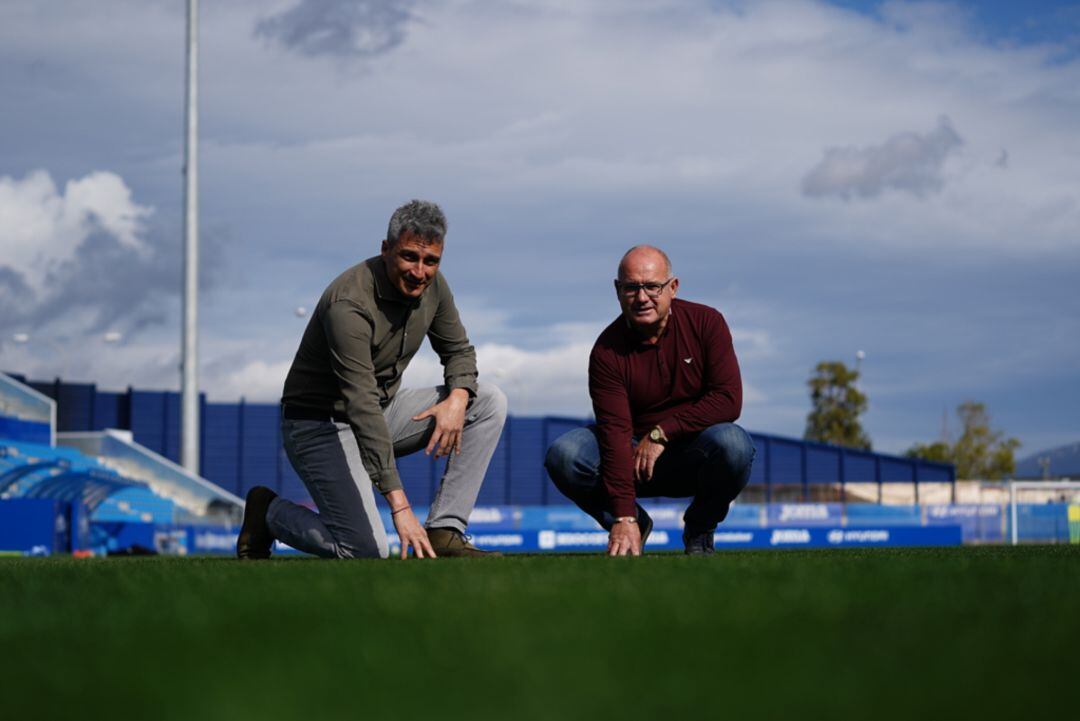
[{"x": 899, "y": 178}]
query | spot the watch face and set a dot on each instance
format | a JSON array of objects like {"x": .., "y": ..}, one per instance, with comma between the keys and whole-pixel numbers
[{"x": 654, "y": 434}]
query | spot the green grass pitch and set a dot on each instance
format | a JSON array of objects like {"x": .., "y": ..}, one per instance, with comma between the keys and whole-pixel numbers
[{"x": 991, "y": 632}]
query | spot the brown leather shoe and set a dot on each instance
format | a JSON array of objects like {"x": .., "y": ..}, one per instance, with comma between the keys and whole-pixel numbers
[
  {"x": 255, "y": 539},
  {"x": 451, "y": 542}
]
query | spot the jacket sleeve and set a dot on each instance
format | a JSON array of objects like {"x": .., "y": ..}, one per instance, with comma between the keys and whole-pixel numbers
[
  {"x": 449, "y": 340},
  {"x": 722, "y": 400},
  {"x": 348, "y": 334},
  {"x": 614, "y": 431}
]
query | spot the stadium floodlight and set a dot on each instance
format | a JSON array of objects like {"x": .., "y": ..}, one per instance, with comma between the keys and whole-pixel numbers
[
  {"x": 189, "y": 385},
  {"x": 1069, "y": 489}
]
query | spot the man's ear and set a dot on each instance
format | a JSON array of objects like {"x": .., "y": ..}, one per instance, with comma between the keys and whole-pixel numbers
[
  {"x": 385, "y": 247},
  {"x": 674, "y": 286}
]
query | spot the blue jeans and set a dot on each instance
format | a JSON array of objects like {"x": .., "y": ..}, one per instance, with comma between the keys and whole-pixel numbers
[{"x": 712, "y": 468}]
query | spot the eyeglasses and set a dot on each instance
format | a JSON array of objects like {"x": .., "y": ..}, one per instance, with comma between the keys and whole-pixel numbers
[{"x": 653, "y": 290}]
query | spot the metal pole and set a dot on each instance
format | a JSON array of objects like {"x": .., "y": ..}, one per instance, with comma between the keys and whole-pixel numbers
[{"x": 189, "y": 433}]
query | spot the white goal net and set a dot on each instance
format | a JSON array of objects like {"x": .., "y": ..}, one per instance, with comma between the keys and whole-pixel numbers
[{"x": 1044, "y": 511}]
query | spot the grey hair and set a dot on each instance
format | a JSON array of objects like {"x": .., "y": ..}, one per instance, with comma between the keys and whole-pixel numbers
[
  {"x": 421, "y": 218},
  {"x": 667, "y": 261}
]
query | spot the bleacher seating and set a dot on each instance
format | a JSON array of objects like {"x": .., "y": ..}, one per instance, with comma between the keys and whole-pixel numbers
[{"x": 32, "y": 470}]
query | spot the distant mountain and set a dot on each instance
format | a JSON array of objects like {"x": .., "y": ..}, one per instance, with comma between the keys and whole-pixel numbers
[{"x": 1064, "y": 462}]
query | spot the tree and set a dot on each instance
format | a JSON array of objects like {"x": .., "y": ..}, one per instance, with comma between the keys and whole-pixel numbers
[
  {"x": 939, "y": 452},
  {"x": 980, "y": 451},
  {"x": 837, "y": 404}
]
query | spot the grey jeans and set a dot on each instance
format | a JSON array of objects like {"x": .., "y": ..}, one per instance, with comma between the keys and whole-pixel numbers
[{"x": 327, "y": 459}]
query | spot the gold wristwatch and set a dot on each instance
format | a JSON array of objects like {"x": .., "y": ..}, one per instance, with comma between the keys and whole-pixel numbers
[{"x": 656, "y": 435}]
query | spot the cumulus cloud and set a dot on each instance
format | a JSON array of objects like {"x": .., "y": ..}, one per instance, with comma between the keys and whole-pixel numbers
[
  {"x": 41, "y": 227},
  {"x": 911, "y": 162},
  {"x": 77, "y": 258},
  {"x": 339, "y": 28}
]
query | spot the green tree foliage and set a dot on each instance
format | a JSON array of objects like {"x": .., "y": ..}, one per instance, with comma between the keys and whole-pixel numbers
[
  {"x": 938, "y": 451},
  {"x": 980, "y": 451},
  {"x": 837, "y": 404}
]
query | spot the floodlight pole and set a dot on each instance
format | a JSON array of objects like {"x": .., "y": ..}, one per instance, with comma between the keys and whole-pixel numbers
[{"x": 189, "y": 433}]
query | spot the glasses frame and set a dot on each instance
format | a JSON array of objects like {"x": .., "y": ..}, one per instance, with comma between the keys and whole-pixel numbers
[{"x": 621, "y": 288}]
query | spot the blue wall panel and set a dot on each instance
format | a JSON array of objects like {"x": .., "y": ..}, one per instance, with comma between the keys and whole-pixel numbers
[
  {"x": 148, "y": 419},
  {"x": 495, "y": 490},
  {"x": 897, "y": 471},
  {"x": 933, "y": 473},
  {"x": 75, "y": 407},
  {"x": 110, "y": 411},
  {"x": 859, "y": 467},
  {"x": 171, "y": 423},
  {"x": 759, "y": 470},
  {"x": 221, "y": 445},
  {"x": 529, "y": 483},
  {"x": 259, "y": 441},
  {"x": 822, "y": 464},
  {"x": 786, "y": 462}
]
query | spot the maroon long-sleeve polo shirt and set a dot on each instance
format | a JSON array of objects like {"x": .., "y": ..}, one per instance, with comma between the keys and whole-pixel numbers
[{"x": 686, "y": 382}]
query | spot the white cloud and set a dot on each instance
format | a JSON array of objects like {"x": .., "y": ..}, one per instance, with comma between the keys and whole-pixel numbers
[
  {"x": 548, "y": 381},
  {"x": 42, "y": 228},
  {"x": 258, "y": 381}
]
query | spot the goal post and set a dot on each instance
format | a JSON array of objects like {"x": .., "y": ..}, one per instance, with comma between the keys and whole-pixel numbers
[{"x": 1044, "y": 493}]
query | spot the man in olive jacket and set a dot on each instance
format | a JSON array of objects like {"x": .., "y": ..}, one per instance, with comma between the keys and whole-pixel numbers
[{"x": 344, "y": 417}]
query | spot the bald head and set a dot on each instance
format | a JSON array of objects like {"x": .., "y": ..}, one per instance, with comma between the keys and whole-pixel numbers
[
  {"x": 646, "y": 288},
  {"x": 642, "y": 258}
]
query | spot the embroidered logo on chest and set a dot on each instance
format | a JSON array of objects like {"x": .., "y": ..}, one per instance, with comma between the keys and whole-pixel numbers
[{"x": 687, "y": 361}]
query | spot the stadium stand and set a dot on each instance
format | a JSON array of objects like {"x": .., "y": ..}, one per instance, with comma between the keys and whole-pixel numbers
[{"x": 61, "y": 497}]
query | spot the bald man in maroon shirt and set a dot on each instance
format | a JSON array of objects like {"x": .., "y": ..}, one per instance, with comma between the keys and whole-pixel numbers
[{"x": 666, "y": 391}]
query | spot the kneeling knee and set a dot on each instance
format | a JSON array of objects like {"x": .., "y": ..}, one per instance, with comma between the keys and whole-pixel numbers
[
  {"x": 491, "y": 400},
  {"x": 378, "y": 549}
]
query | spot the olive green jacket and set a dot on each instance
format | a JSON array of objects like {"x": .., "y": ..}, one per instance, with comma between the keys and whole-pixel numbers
[{"x": 360, "y": 339}]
